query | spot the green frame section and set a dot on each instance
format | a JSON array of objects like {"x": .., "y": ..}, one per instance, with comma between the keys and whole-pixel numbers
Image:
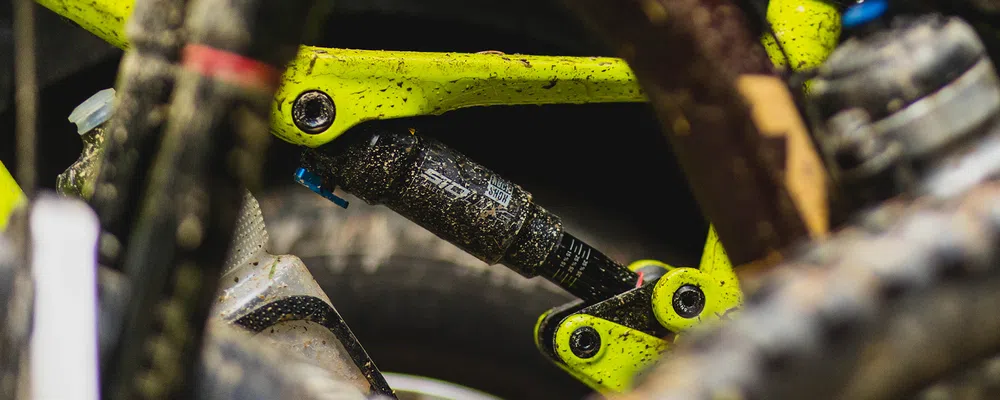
[
  {"x": 714, "y": 276},
  {"x": 104, "y": 18},
  {"x": 371, "y": 85},
  {"x": 626, "y": 352},
  {"x": 807, "y": 30}
]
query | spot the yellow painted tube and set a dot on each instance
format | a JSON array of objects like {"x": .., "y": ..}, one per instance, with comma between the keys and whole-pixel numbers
[{"x": 11, "y": 196}]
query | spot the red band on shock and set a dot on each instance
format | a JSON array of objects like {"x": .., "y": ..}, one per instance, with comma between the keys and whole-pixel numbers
[{"x": 230, "y": 67}]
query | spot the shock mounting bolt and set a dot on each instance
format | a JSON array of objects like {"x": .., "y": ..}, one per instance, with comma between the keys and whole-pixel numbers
[
  {"x": 584, "y": 342},
  {"x": 313, "y": 112},
  {"x": 689, "y": 301}
]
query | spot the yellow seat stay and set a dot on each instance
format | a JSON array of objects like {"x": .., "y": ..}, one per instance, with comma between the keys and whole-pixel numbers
[{"x": 370, "y": 85}]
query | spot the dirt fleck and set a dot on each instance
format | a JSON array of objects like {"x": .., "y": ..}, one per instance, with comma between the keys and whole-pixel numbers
[
  {"x": 274, "y": 266},
  {"x": 312, "y": 63}
]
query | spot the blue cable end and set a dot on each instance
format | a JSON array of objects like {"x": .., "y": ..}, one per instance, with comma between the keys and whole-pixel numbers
[
  {"x": 863, "y": 13},
  {"x": 315, "y": 183}
]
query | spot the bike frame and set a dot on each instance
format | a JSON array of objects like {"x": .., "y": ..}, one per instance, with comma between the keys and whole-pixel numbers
[{"x": 367, "y": 85}]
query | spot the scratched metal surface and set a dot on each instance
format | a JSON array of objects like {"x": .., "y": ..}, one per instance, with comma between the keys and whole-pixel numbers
[
  {"x": 276, "y": 298},
  {"x": 238, "y": 366}
]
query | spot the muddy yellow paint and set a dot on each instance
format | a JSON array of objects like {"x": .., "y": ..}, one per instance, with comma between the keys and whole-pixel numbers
[
  {"x": 624, "y": 353},
  {"x": 714, "y": 259},
  {"x": 714, "y": 276},
  {"x": 635, "y": 266},
  {"x": 372, "y": 85},
  {"x": 11, "y": 196},
  {"x": 808, "y": 31},
  {"x": 104, "y": 18}
]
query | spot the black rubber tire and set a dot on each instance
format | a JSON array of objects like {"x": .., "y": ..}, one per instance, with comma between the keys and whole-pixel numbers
[
  {"x": 433, "y": 318},
  {"x": 420, "y": 305}
]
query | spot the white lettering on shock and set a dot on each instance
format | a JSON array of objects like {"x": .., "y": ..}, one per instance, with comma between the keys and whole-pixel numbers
[
  {"x": 499, "y": 190},
  {"x": 443, "y": 182}
]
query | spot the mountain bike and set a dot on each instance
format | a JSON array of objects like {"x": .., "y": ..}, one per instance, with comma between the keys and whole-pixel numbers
[{"x": 900, "y": 166}]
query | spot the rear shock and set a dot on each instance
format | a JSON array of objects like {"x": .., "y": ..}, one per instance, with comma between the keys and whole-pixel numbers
[{"x": 467, "y": 205}]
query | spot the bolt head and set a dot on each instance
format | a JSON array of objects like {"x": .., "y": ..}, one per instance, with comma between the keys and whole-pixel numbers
[
  {"x": 688, "y": 301},
  {"x": 585, "y": 342},
  {"x": 313, "y": 112}
]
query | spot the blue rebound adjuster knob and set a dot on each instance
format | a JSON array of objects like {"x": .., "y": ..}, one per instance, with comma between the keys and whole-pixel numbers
[
  {"x": 864, "y": 12},
  {"x": 315, "y": 183}
]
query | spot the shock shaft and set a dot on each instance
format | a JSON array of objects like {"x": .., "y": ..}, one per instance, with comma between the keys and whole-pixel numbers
[{"x": 469, "y": 206}]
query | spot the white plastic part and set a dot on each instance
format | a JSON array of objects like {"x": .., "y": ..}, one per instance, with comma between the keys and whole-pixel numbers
[
  {"x": 93, "y": 111},
  {"x": 432, "y": 389},
  {"x": 64, "y": 355}
]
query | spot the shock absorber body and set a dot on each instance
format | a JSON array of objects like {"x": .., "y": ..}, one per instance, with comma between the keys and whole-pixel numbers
[{"x": 469, "y": 206}]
